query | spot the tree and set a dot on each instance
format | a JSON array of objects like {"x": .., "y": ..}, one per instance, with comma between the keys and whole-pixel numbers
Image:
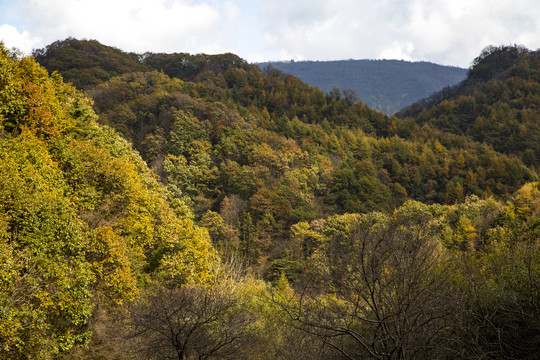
[
  {"x": 192, "y": 322},
  {"x": 83, "y": 221},
  {"x": 45, "y": 282},
  {"x": 385, "y": 293},
  {"x": 504, "y": 281}
]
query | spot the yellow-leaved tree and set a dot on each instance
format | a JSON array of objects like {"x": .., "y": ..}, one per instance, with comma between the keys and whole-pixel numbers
[{"x": 83, "y": 221}]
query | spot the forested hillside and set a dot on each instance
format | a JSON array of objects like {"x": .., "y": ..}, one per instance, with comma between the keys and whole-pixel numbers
[
  {"x": 336, "y": 232},
  {"x": 83, "y": 223},
  {"x": 498, "y": 104},
  {"x": 256, "y": 152},
  {"x": 385, "y": 85}
]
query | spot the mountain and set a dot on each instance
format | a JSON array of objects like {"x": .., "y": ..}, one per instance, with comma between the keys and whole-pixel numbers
[
  {"x": 385, "y": 85},
  {"x": 87, "y": 63},
  {"x": 336, "y": 231},
  {"x": 497, "y": 104},
  {"x": 262, "y": 150}
]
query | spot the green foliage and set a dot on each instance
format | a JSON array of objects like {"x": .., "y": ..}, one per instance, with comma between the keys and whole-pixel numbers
[
  {"x": 403, "y": 234},
  {"x": 45, "y": 278},
  {"x": 497, "y": 104},
  {"x": 370, "y": 270},
  {"x": 83, "y": 221},
  {"x": 188, "y": 67},
  {"x": 221, "y": 128},
  {"x": 86, "y": 62}
]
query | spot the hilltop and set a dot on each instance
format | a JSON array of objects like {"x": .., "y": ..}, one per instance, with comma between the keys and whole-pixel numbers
[
  {"x": 497, "y": 104},
  {"x": 385, "y": 85}
]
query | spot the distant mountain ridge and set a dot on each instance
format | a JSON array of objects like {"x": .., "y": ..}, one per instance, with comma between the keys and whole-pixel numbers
[{"x": 385, "y": 85}]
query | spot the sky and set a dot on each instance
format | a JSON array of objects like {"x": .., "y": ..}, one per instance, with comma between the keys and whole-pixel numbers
[{"x": 448, "y": 32}]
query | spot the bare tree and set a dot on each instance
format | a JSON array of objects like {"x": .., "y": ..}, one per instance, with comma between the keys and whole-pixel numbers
[
  {"x": 383, "y": 293},
  {"x": 192, "y": 322}
]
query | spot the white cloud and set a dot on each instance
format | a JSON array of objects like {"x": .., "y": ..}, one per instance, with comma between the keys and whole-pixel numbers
[
  {"x": 454, "y": 32},
  {"x": 136, "y": 25},
  {"x": 325, "y": 29},
  {"x": 442, "y": 31},
  {"x": 12, "y": 38},
  {"x": 398, "y": 51}
]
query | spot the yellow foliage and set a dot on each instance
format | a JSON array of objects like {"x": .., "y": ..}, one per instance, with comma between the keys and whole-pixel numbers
[
  {"x": 81, "y": 217},
  {"x": 527, "y": 200}
]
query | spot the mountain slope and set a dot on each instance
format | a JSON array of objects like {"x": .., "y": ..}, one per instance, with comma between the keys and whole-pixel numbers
[
  {"x": 255, "y": 152},
  {"x": 498, "y": 103},
  {"x": 385, "y": 85},
  {"x": 314, "y": 192},
  {"x": 83, "y": 221}
]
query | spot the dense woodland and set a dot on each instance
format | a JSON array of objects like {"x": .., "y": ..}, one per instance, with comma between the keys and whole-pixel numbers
[
  {"x": 177, "y": 206},
  {"x": 385, "y": 85},
  {"x": 497, "y": 104}
]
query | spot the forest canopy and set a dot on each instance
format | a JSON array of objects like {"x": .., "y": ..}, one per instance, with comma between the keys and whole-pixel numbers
[
  {"x": 83, "y": 220},
  {"x": 198, "y": 207}
]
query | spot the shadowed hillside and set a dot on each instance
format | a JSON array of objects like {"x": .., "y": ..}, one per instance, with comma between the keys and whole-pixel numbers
[{"x": 385, "y": 85}]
